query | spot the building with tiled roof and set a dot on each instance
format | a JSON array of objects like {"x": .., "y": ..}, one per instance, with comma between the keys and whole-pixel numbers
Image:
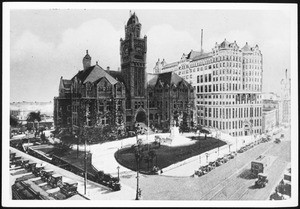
[{"x": 99, "y": 97}]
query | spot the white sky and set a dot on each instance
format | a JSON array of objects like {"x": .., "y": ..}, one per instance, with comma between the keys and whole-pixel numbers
[{"x": 46, "y": 44}]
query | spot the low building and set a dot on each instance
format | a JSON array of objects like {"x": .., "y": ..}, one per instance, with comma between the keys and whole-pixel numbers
[
  {"x": 171, "y": 101},
  {"x": 271, "y": 100},
  {"x": 268, "y": 119}
]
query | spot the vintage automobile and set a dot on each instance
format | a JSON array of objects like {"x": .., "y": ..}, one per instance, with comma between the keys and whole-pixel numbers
[
  {"x": 212, "y": 164},
  {"x": 38, "y": 169},
  {"x": 55, "y": 180},
  {"x": 219, "y": 161},
  {"x": 30, "y": 166},
  {"x": 69, "y": 188},
  {"x": 200, "y": 172},
  {"x": 46, "y": 174},
  {"x": 277, "y": 141},
  {"x": 230, "y": 156},
  {"x": 206, "y": 168},
  {"x": 262, "y": 180}
]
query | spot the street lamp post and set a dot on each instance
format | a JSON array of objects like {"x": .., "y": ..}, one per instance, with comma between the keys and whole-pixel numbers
[
  {"x": 207, "y": 157},
  {"x": 118, "y": 173},
  {"x": 85, "y": 167}
]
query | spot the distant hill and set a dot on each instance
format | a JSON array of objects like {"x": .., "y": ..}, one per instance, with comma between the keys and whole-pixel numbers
[{"x": 43, "y": 107}]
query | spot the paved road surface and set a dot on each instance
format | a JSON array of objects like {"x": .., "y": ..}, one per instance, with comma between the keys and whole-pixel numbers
[{"x": 230, "y": 181}]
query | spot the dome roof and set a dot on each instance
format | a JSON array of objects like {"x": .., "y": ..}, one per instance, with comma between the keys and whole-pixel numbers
[
  {"x": 246, "y": 47},
  {"x": 224, "y": 44},
  {"x": 133, "y": 20}
]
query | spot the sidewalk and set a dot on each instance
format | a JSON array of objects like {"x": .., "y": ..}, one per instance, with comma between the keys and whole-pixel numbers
[
  {"x": 95, "y": 191},
  {"x": 188, "y": 166}
]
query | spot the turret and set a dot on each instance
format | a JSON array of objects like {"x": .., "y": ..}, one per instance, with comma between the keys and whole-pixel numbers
[{"x": 86, "y": 61}]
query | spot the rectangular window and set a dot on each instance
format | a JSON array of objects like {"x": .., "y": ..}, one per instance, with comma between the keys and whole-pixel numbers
[
  {"x": 101, "y": 106},
  {"x": 128, "y": 118}
]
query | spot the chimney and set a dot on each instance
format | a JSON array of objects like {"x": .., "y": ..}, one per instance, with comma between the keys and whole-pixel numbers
[
  {"x": 286, "y": 73},
  {"x": 96, "y": 62},
  {"x": 107, "y": 68},
  {"x": 201, "y": 40}
]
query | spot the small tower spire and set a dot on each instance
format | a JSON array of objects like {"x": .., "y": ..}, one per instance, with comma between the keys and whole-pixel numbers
[{"x": 86, "y": 61}]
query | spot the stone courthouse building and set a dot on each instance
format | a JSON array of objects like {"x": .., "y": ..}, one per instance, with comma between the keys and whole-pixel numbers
[{"x": 100, "y": 97}]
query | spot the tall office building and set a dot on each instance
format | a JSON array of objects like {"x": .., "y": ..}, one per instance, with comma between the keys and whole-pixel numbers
[
  {"x": 286, "y": 98},
  {"x": 228, "y": 85}
]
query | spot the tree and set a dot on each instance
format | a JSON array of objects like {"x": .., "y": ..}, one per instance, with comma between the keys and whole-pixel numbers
[
  {"x": 33, "y": 117},
  {"x": 183, "y": 124},
  {"x": 152, "y": 154},
  {"x": 14, "y": 122}
]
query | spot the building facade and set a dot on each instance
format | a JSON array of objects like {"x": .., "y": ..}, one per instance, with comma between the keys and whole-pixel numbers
[
  {"x": 98, "y": 97},
  {"x": 269, "y": 119},
  {"x": 271, "y": 101},
  {"x": 286, "y": 98},
  {"x": 228, "y": 85}
]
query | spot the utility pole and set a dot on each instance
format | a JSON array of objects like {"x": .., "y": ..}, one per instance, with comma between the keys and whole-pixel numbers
[
  {"x": 137, "y": 176},
  {"x": 85, "y": 166},
  {"x": 148, "y": 117}
]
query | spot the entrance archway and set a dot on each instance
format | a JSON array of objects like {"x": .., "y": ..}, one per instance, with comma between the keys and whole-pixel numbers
[{"x": 141, "y": 117}]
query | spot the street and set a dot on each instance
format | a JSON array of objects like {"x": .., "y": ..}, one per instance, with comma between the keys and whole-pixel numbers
[{"x": 230, "y": 181}]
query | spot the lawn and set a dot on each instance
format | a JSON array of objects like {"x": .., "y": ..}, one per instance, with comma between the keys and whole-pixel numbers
[
  {"x": 167, "y": 155},
  {"x": 69, "y": 156}
]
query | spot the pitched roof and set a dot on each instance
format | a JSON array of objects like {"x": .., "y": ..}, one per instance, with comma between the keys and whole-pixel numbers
[
  {"x": 93, "y": 74},
  {"x": 67, "y": 83},
  {"x": 193, "y": 54},
  {"x": 116, "y": 75},
  {"x": 246, "y": 47},
  {"x": 171, "y": 64},
  {"x": 82, "y": 74},
  {"x": 133, "y": 19},
  {"x": 152, "y": 79},
  {"x": 201, "y": 56},
  {"x": 167, "y": 78},
  {"x": 224, "y": 44}
]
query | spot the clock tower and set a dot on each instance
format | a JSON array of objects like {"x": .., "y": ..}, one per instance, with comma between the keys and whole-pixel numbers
[{"x": 133, "y": 51}]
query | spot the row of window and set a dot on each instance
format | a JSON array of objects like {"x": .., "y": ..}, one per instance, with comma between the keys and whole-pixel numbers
[
  {"x": 227, "y": 87},
  {"x": 229, "y": 96},
  {"x": 227, "y": 125},
  {"x": 228, "y": 113}
]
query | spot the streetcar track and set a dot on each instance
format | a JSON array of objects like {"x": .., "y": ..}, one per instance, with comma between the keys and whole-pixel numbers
[{"x": 227, "y": 178}]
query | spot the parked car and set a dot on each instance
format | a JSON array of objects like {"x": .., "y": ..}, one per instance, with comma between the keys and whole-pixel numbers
[
  {"x": 262, "y": 180},
  {"x": 220, "y": 161},
  {"x": 212, "y": 164},
  {"x": 232, "y": 155},
  {"x": 277, "y": 141}
]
